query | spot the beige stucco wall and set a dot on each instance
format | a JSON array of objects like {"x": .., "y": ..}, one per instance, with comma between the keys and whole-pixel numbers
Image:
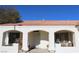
[
  {"x": 34, "y": 39},
  {"x": 38, "y": 39},
  {"x": 44, "y": 40}
]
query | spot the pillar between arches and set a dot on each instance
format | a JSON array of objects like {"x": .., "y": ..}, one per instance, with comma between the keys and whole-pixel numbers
[
  {"x": 51, "y": 42},
  {"x": 25, "y": 41}
]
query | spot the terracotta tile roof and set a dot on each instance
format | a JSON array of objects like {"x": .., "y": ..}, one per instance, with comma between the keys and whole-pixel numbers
[{"x": 44, "y": 22}]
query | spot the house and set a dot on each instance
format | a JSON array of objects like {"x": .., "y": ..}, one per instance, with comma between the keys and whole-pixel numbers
[{"x": 53, "y": 35}]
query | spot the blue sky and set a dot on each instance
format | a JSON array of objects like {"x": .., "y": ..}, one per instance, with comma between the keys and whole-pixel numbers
[{"x": 48, "y": 12}]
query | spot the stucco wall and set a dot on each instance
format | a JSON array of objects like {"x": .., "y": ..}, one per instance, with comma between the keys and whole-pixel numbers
[
  {"x": 49, "y": 29},
  {"x": 9, "y": 49},
  {"x": 46, "y": 28}
]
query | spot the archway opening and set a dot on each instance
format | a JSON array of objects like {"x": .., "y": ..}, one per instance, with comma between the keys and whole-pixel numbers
[
  {"x": 64, "y": 38},
  {"x": 12, "y": 37},
  {"x": 38, "y": 39}
]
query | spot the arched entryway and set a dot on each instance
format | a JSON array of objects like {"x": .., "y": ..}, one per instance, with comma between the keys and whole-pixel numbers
[
  {"x": 64, "y": 38},
  {"x": 38, "y": 39},
  {"x": 11, "y": 38}
]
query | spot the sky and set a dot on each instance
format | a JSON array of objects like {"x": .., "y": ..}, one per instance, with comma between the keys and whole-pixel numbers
[{"x": 48, "y": 12}]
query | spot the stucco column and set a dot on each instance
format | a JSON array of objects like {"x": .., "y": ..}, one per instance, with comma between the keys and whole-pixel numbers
[
  {"x": 51, "y": 42},
  {"x": 25, "y": 41},
  {"x": 1, "y": 38},
  {"x": 6, "y": 38},
  {"x": 76, "y": 39}
]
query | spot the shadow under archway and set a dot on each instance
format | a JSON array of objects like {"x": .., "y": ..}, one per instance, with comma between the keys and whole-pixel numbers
[{"x": 38, "y": 39}]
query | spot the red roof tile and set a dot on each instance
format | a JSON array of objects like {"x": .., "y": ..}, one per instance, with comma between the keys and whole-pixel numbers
[{"x": 44, "y": 22}]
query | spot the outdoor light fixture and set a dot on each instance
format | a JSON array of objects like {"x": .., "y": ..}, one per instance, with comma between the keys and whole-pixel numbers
[{"x": 14, "y": 27}]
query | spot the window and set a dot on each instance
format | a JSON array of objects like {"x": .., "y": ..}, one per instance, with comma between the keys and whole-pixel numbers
[{"x": 64, "y": 38}]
